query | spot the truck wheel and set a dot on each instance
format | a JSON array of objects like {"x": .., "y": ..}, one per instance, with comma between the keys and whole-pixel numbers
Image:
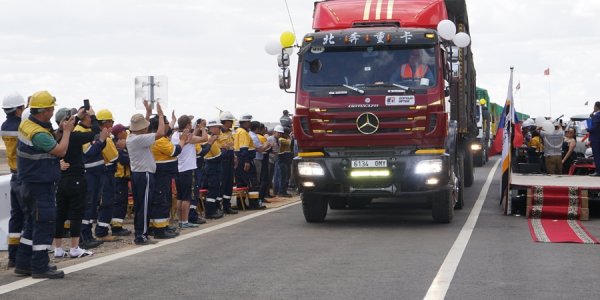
[
  {"x": 442, "y": 207},
  {"x": 314, "y": 208},
  {"x": 468, "y": 168},
  {"x": 478, "y": 159},
  {"x": 459, "y": 184},
  {"x": 358, "y": 203},
  {"x": 337, "y": 203}
]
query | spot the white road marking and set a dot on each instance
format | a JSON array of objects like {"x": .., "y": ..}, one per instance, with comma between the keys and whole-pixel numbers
[
  {"x": 442, "y": 280},
  {"x": 19, "y": 284}
]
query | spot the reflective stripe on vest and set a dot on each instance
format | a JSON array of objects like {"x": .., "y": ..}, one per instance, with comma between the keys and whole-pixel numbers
[
  {"x": 37, "y": 156},
  {"x": 407, "y": 73}
]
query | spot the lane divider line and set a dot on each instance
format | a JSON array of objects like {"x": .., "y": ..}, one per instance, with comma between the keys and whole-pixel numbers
[
  {"x": 445, "y": 274},
  {"x": 19, "y": 284}
]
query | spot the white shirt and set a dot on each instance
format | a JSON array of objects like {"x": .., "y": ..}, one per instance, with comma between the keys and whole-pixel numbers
[
  {"x": 187, "y": 158},
  {"x": 140, "y": 155}
]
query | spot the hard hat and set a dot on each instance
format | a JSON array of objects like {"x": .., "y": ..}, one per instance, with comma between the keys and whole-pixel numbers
[
  {"x": 279, "y": 129},
  {"x": 104, "y": 115},
  {"x": 482, "y": 102},
  {"x": 213, "y": 123},
  {"x": 227, "y": 116},
  {"x": 588, "y": 153},
  {"x": 528, "y": 122},
  {"x": 246, "y": 118},
  {"x": 42, "y": 99},
  {"x": 13, "y": 101}
]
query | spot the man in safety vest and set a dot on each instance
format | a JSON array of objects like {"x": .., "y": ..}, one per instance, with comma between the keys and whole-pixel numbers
[
  {"x": 38, "y": 170},
  {"x": 415, "y": 71},
  {"x": 13, "y": 106},
  {"x": 225, "y": 142},
  {"x": 110, "y": 154}
]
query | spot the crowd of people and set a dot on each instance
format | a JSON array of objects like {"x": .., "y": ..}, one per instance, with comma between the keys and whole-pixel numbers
[
  {"x": 74, "y": 180},
  {"x": 553, "y": 149}
]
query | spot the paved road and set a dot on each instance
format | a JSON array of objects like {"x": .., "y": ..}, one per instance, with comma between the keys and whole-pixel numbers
[{"x": 388, "y": 251}]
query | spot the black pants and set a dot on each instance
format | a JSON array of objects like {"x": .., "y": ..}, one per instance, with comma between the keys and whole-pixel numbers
[
  {"x": 120, "y": 205},
  {"x": 264, "y": 177},
  {"x": 142, "y": 185},
  {"x": 17, "y": 218},
  {"x": 70, "y": 204}
]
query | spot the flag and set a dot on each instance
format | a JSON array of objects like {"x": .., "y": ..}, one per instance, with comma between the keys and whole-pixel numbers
[
  {"x": 547, "y": 72},
  {"x": 518, "y": 86}
]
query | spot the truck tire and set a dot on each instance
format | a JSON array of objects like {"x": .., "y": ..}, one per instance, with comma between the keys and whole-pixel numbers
[
  {"x": 460, "y": 182},
  {"x": 358, "y": 203},
  {"x": 337, "y": 202},
  {"x": 314, "y": 208},
  {"x": 468, "y": 168},
  {"x": 478, "y": 159},
  {"x": 442, "y": 207}
]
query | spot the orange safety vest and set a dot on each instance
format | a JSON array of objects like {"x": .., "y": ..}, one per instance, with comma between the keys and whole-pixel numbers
[{"x": 407, "y": 73}]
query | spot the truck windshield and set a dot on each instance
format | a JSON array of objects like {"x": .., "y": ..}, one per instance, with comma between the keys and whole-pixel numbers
[{"x": 369, "y": 66}]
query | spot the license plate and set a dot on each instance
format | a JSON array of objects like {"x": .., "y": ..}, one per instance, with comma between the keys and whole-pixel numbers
[{"x": 369, "y": 163}]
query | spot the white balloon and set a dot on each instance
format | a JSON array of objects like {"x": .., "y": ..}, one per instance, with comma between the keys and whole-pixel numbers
[
  {"x": 548, "y": 127},
  {"x": 461, "y": 39},
  {"x": 446, "y": 29},
  {"x": 289, "y": 51},
  {"x": 539, "y": 121},
  {"x": 273, "y": 47}
]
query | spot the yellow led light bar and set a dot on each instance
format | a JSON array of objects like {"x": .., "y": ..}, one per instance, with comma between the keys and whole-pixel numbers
[
  {"x": 311, "y": 154},
  {"x": 431, "y": 151}
]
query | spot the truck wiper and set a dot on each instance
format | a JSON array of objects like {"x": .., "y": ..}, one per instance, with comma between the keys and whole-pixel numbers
[
  {"x": 403, "y": 88},
  {"x": 362, "y": 92}
]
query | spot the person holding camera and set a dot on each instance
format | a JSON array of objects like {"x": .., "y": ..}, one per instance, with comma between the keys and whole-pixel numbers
[{"x": 72, "y": 187}]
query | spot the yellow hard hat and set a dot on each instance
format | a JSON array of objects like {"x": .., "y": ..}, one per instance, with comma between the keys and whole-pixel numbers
[
  {"x": 42, "y": 99},
  {"x": 104, "y": 115},
  {"x": 482, "y": 101}
]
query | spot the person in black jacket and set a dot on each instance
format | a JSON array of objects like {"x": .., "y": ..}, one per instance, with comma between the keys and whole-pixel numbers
[{"x": 71, "y": 189}]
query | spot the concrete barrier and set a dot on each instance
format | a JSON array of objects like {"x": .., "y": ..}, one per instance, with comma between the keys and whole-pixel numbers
[{"x": 4, "y": 210}]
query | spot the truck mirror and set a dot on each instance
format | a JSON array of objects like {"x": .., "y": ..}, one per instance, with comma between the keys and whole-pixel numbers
[
  {"x": 285, "y": 79},
  {"x": 283, "y": 60}
]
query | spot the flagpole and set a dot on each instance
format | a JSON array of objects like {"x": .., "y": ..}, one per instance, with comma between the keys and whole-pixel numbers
[{"x": 549, "y": 93}]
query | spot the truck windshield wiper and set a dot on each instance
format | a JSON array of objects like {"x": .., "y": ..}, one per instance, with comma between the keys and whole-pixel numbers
[
  {"x": 362, "y": 92},
  {"x": 402, "y": 88}
]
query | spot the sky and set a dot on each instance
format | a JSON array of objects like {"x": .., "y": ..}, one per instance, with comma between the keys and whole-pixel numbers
[{"x": 213, "y": 52}]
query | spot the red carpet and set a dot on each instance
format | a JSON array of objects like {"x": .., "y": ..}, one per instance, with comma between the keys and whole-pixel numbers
[{"x": 554, "y": 214}]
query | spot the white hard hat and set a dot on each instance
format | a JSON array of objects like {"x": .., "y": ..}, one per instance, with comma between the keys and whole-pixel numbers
[
  {"x": 528, "y": 122},
  {"x": 588, "y": 153},
  {"x": 213, "y": 122},
  {"x": 279, "y": 129},
  {"x": 246, "y": 118},
  {"x": 227, "y": 116},
  {"x": 13, "y": 101}
]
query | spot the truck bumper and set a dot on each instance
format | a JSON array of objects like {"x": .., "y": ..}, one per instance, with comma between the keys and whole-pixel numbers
[{"x": 338, "y": 179}]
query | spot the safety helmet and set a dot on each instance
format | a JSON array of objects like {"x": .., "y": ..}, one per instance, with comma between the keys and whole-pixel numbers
[
  {"x": 246, "y": 118},
  {"x": 213, "y": 122},
  {"x": 13, "y": 101},
  {"x": 42, "y": 99},
  {"x": 279, "y": 129},
  {"x": 227, "y": 116},
  {"x": 588, "y": 153},
  {"x": 104, "y": 115},
  {"x": 62, "y": 113}
]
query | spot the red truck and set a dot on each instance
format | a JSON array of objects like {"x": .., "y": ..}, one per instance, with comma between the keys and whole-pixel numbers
[{"x": 385, "y": 107}]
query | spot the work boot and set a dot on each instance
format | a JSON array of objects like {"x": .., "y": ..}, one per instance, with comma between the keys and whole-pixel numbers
[
  {"x": 27, "y": 272},
  {"x": 120, "y": 231},
  {"x": 230, "y": 211},
  {"x": 163, "y": 233},
  {"x": 199, "y": 221},
  {"x": 50, "y": 274},
  {"x": 89, "y": 244},
  {"x": 143, "y": 240},
  {"x": 215, "y": 215}
]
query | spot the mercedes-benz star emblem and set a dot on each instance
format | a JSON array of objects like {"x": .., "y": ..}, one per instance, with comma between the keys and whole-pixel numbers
[{"x": 367, "y": 123}]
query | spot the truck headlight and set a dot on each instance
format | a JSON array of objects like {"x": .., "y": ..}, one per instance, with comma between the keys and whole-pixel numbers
[
  {"x": 429, "y": 166},
  {"x": 310, "y": 169},
  {"x": 476, "y": 147}
]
